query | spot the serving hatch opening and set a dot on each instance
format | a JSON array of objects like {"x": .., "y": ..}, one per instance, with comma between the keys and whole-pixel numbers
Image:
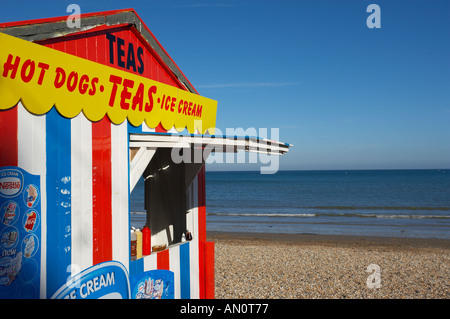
[{"x": 168, "y": 164}]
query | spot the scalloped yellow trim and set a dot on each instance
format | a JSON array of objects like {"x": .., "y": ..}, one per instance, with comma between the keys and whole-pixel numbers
[{"x": 42, "y": 78}]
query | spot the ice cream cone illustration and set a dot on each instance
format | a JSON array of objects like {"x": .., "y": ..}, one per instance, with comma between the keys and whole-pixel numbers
[{"x": 29, "y": 247}]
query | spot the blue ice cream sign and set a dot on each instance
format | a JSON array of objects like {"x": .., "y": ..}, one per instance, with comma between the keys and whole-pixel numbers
[
  {"x": 20, "y": 233},
  {"x": 108, "y": 280}
]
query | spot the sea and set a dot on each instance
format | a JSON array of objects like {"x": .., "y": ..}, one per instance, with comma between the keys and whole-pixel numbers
[{"x": 387, "y": 203}]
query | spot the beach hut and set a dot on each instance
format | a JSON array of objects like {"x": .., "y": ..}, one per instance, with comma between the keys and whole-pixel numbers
[{"x": 87, "y": 111}]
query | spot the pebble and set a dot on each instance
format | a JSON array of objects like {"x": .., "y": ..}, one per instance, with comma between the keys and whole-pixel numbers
[{"x": 253, "y": 269}]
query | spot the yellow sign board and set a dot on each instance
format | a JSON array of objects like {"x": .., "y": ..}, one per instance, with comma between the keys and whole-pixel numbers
[{"x": 42, "y": 78}]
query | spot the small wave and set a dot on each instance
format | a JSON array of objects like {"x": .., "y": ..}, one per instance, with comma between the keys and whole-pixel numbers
[
  {"x": 138, "y": 213},
  {"x": 389, "y": 216},
  {"x": 411, "y": 208},
  {"x": 261, "y": 214}
]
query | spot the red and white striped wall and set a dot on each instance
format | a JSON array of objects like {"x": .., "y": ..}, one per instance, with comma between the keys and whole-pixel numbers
[{"x": 84, "y": 170}]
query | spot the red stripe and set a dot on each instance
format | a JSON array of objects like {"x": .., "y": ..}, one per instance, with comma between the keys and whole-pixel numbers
[
  {"x": 162, "y": 260},
  {"x": 201, "y": 231},
  {"x": 9, "y": 143},
  {"x": 209, "y": 271},
  {"x": 160, "y": 129},
  {"x": 101, "y": 191}
]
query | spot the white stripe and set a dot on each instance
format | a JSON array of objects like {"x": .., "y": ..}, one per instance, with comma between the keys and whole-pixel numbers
[
  {"x": 150, "y": 262},
  {"x": 174, "y": 266},
  {"x": 81, "y": 193},
  {"x": 172, "y": 130},
  {"x": 32, "y": 158},
  {"x": 193, "y": 247},
  {"x": 145, "y": 128},
  {"x": 31, "y": 141},
  {"x": 120, "y": 193}
]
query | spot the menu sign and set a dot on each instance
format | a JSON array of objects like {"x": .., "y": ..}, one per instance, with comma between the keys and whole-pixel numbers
[
  {"x": 42, "y": 78},
  {"x": 20, "y": 233}
]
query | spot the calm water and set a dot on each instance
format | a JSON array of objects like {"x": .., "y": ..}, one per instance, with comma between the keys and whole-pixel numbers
[{"x": 400, "y": 203}]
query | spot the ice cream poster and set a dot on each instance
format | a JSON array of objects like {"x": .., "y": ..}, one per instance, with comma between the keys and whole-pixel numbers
[
  {"x": 153, "y": 284},
  {"x": 107, "y": 280},
  {"x": 20, "y": 233}
]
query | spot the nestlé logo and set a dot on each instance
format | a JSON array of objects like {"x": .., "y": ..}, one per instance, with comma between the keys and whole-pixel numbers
[{"x": 11, "y": 182}]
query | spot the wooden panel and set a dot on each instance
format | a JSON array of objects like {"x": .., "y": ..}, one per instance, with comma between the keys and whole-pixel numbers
[
  {"x": 162, "y": 260},
  {"x": 58, "y": 150},
  {"x": 209, "y": 271},
  {"x": 101, "y": 191},
  {"x": 81, "y": 159},
  {"x": 8, "y": 128},
  {"x": 120, "y": 193},
  {"x": 95, "y": 46},
  {"x": 201, "y": 231}
]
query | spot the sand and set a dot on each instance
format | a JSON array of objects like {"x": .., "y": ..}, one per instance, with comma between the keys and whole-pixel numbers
[{"x": 282, "y": 266}]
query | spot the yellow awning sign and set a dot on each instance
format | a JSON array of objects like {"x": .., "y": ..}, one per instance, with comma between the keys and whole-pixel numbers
[{"x": 42, "y": 78}]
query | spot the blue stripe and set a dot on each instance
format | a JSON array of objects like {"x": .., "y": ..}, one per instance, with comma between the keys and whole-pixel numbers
[
  {"x": 58, "y": 200},
  {"x": 185, "y": 276},
  {"x": 134, "y": 129},
  {"x": 136, "y": 267}
]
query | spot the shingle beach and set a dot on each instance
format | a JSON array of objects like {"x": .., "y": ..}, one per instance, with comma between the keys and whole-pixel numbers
[{"x": 283, "y": 266}]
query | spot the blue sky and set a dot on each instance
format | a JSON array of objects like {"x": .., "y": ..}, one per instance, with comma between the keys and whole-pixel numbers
[{"x": 346, "y": 96}]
